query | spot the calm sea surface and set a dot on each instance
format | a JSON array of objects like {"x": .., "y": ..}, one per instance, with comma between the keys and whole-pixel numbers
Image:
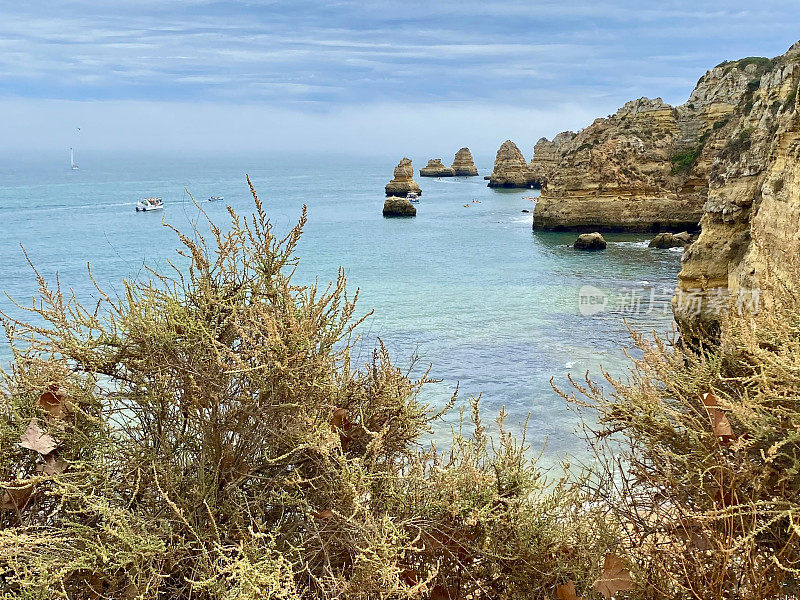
[{"x": 472, "y": 290}]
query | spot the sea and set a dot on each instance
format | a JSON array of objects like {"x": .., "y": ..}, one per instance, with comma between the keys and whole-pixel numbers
[{"x": 491, "y": 306}]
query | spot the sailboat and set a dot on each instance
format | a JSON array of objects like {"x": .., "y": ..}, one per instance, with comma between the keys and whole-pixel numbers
[{"x": 72, "y": 160}]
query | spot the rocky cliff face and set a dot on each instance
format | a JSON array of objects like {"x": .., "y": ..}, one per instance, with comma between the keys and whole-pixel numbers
[
  {"x": 403, "y": 181},
  {"x": 729, "y": 158},
  {"x": 435, "y": 168},
  {"x": 510, "y": 168},
  {"x": 646, "y": 167},
  {"x": 463, "y": 164},
  {"x": 751, "y": 223}
]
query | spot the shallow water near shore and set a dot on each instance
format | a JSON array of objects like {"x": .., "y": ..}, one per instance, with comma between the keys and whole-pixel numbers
[{"x": 471, "y": 289}]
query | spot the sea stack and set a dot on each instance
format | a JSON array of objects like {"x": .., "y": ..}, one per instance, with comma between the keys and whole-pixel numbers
[
  {"x": 435, "y": 168},
  {"x": 403, "y": 181},
  {"x": 394, "y": 206},
  {"x": 510, "y": 168},
  {"x": 463, "y": 164}
]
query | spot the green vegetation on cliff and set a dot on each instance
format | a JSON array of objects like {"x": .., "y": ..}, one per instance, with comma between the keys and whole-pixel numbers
[{"x": 682, "y": 162}]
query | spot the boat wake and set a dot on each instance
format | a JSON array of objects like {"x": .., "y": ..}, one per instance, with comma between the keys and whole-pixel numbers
[{"x": 59, "y": 207}]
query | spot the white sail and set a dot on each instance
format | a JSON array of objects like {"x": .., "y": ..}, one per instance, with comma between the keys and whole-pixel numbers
[{"x": 72, "y": 160}]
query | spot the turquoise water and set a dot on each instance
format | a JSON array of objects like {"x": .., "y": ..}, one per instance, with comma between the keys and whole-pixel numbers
[{"x": 473, "y": 290}]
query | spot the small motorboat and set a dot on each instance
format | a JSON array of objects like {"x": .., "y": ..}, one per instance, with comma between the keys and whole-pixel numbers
[
  {"x": 216, "y": 198},
  {"x": 413, "y": 197},
  {"x": 148, "y": 204}
]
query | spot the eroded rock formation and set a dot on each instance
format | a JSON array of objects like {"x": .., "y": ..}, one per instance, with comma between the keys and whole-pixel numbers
[
  {"x": 463, "y": 164},
  {"x": 729, "y": 157},
  {"x": 750, "y": 234},
  {"x": 618, "y": 173},
  {"x": 435, "y": 168},
  {"x": 395, "y": 206},
  {"x": 403, "y": 181},
  {"x": 510, "y": 168},
  {"x": 646, "y": 167}
]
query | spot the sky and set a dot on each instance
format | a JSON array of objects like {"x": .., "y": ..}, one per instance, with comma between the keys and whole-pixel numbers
[{"x": 354, "y": 76}]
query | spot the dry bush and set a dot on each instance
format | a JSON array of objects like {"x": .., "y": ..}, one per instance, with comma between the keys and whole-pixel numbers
[
  {"x": 701, "y": 449},
  {"x": 204, "y": 436}
]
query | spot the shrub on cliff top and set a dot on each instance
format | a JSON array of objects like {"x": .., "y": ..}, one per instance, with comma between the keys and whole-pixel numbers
[
  {"x": 704, "y": 447},
  {"x": 205, "y": 436}
]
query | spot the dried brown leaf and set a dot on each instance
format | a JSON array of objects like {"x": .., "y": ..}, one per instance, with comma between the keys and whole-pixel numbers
[
  {"x": 340, "y": 422},
  {"x": 726, "y": 497},
  {"x": 38, "y": 441},
  {"x": 52, "y": 466},
  {"x": 55, "y": 402},
  {"x": 410, "y": 577},
  {"x": 567, "y": 591},
  {"x": 339, "y": 419},
  {"x": 325, "y": 513},
  {"x": 16, "y": 497},
  {"x": 719, "y": 421},
  {"x": 440, "y": 592},
  {"x": 615, "y": 577}
]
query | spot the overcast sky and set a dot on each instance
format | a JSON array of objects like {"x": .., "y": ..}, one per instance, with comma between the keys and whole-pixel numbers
[{"x": 365, "y": 76}]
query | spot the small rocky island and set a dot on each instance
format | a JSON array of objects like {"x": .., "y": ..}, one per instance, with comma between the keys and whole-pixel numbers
[
  {"x": 394, "y": 206},
  {"x": 510, "y": 168},
  {"x": 403, "y": 181},
  {"x": 435, "y": 168},
  {"x": 463, "y": 164}
]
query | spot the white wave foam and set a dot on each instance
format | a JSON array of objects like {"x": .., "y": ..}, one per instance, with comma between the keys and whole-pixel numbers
[{"x": 643, "y": 244}]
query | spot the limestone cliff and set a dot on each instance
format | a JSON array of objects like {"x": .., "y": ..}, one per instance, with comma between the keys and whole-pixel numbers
[
  {"x": 645, "y": 168},
  {"x": 435, "y": 168},
  {"x": 729, "y": 158},
  {"x": 510, "y": 168},
  {"x": 403, "y": 181},
  {"x": 751, "y": 224},
  {"x": 463, "y": 164}
]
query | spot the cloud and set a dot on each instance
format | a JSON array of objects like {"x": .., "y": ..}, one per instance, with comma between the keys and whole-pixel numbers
[
  {"x": 303, "y": 58},
  {"x": 193, "y": 127}
]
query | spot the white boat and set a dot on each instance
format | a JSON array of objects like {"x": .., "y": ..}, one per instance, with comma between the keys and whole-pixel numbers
[
  {"x": 215, "y": 198},
  {"x": 72, "y": 160},
  {"x": 148, "y": 204},
  {"x": 413, "y": 197}
]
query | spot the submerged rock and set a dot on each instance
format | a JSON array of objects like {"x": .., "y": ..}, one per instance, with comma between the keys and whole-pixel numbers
[
  {"x": 590, "y": 241},
  {"x": 435, "y": 168},
  {"x": 403, "y": 181},
  {"x": 510, "y": 168},
  {"x": 463, "y": 164},
  {"x": 395, "y": 206},
  {"x": 672, "y": 240}
]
